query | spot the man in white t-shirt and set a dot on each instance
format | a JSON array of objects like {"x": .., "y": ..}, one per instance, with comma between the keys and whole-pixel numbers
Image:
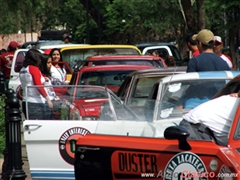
[
  {"x": 216, "y": 114},
  {"x": 218, "y": 45}
]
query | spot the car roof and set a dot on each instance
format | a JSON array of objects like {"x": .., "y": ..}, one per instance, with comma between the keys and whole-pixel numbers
[
  {"x": 124, "y": 57},
  {"x": 102, "y": 46},
  {"x": 60, "y": 46},
  {"x": 201, "y": 75},
  {"x": 160, "y": 70},
  {"x": 154, "y": 44},
  {"x": 114, "y": 67}
]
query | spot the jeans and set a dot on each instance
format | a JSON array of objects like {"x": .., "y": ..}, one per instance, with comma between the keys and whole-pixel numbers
[
  {"x": 195, "y": 133},
  {"x": 193, "y": 130},
  {"x": 35, "y": 111}
]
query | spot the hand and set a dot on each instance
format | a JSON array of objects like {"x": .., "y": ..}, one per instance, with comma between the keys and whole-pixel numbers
[
  {"x": 50, "y": 104},
  {"x": 234, "y": 95},
  {"x": 46, "y": 79}
]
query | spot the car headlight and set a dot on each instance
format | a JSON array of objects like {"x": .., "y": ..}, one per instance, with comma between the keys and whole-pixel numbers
[{"x": 213, "y": 165}]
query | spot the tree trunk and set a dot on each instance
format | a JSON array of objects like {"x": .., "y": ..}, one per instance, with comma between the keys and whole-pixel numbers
[
  {"x": 188, "y": 11},
  {"x": 201, "y": 15},
  {"x": 98, "y": 18}
]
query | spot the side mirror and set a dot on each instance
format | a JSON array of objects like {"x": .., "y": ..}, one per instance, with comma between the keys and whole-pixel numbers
[{"x": 179, "y": 133}]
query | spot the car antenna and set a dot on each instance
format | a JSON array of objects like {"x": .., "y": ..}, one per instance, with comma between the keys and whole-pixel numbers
[{"x": 170, "y": 80}]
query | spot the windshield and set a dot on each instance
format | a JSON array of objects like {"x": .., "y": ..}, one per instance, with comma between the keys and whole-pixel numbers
[
  {"x": 127, "y": 62},
  {"x": 189, "y": 94},
  {"x": 76, "y": 103},
  {"x": 85, "y": 92},
  {"x": 104, "y": 78},
  {"x": 75, "y": 56},
  {"x": 237, "y": 132}
]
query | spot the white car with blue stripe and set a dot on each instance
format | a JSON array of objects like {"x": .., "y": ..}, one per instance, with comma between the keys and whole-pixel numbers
[{"x": 51, "y": 143}]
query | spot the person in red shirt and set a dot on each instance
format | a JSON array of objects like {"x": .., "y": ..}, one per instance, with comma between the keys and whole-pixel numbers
[
  {"x": 6, "y": 61},
  {"x": 192, "y": 45},
  {"x": 3, "y": 51},
  {"x": 218, "y": 45}
]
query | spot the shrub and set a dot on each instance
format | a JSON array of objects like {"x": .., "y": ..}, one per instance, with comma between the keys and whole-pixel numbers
[{"x": 2, "y": 123}]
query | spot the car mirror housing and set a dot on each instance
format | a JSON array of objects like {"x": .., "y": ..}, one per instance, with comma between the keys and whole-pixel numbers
[{"x": 178, "y": 133}]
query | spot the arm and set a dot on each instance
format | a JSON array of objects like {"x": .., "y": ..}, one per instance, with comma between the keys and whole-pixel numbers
[
  {"x": 230, "y": 60},
  {"x": 36, "y": 75},
  {"x": 65, "y": 72},
  {"x": 192, "y": 65}
]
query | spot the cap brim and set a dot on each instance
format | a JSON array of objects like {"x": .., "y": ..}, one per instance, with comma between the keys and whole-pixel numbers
[
  {"x": 217, "y": 42},
  {"x": 194, "y": 37}
]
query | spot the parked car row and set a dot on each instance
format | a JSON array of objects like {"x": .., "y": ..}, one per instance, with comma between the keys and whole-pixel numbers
[
  {"x": 78, "y": 55},
  {"x": 129, "y": 102},
  {"x": 116, "y": 118}
]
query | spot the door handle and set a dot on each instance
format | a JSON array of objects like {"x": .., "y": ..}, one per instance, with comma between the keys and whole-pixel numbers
[
  {"x": 83, "y": 149},
  {"x": 35, "y": 127}
]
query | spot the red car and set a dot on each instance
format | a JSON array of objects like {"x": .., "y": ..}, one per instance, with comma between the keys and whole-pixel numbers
[
  {"x": 110, "y": 76},
  {"x": 173, "y": 157},
  {"x": 87, "y": 100},
  {"x": 124, "y": 59}
]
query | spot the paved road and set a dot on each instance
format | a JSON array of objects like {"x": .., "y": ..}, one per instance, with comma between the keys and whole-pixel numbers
[{"x": 26, "y": 164}]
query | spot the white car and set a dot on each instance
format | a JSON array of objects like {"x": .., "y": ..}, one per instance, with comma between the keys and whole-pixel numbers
[
  {"x": 164, "y": 50},
  {"x": 51, "y": 143}
]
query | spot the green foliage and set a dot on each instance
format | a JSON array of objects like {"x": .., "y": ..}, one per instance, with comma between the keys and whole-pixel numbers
[
  {"x": 121, "y": 21},
  {"x": 2, "y": 124}
]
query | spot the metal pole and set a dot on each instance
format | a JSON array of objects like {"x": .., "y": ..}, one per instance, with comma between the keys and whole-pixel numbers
[{"x": 13, "y": 167}]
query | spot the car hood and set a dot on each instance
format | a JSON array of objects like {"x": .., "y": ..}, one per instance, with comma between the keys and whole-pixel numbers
[{"x": 89, "y": 107}]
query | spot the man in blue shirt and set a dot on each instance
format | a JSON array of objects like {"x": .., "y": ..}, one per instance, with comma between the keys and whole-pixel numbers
[{"x": 207, "y": 60}]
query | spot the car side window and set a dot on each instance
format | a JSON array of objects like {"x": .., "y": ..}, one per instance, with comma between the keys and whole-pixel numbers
[
  {"x": 19, "y": 61},
  {"x": 233, "y": 88},
  {"x": 162, "y": 52},
  {"x": 124, "y": 88}
]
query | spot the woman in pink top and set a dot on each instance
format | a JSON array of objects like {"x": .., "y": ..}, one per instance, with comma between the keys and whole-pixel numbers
[{"x": 34, "y": 98}]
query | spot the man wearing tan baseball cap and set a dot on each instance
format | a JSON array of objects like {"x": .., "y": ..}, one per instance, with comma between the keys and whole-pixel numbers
[{"x": 207, "y": 60}]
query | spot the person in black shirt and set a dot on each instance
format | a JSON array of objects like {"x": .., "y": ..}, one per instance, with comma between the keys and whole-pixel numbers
[{"x": 207, "y": 60}]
